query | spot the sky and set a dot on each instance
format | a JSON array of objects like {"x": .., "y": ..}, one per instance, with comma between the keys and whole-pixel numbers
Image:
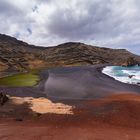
[{"x": 105, "y": 23}]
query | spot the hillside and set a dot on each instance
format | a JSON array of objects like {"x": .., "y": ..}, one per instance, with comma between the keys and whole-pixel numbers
[{"x": 16, "y": 55}]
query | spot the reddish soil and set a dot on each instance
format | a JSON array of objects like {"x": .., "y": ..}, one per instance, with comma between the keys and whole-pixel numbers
[{"x": 114, "y": 118}]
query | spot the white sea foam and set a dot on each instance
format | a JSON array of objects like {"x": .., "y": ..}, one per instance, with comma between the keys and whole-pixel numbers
[{"x": 123, "y": 73}]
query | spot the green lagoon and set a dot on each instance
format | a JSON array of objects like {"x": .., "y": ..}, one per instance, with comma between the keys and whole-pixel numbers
[{"x": 20, "y": 80}]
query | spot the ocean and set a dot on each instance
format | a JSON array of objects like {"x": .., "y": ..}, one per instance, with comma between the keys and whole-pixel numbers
[{"x": 129, "y": 75}]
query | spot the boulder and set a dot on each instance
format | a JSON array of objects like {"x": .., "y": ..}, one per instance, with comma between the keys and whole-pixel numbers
[
  {"x": 131, "y": 76},
  {"x": 138, "y": 83},
  {"x": 3, "y": 98}
]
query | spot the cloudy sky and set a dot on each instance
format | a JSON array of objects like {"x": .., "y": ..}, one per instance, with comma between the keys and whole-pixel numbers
[{"x": 107, "y": 23}]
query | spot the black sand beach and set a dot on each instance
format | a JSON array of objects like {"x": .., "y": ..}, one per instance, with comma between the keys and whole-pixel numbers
[{"x": 76, "y": 83}]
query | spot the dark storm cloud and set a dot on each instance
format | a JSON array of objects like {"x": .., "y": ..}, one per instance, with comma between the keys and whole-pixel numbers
[
  {"x": 110, "y": 23},
  {"x": 13, "y": 19},
  {"x": 92, "y": 21},
  {"x": 7, "y": 9}
]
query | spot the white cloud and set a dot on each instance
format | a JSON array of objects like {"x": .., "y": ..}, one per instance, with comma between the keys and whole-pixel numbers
[{"x": 110, "y": 23}]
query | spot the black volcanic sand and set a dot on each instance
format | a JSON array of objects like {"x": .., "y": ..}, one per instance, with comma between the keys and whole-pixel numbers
[{"x": 84, "y": 82}]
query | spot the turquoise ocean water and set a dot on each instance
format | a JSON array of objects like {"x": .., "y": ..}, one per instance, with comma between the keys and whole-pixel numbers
[{"x": 129, "y": 75}]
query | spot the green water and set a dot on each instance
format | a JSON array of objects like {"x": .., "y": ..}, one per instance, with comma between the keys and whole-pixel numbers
[{"x": 20, "y": 80}]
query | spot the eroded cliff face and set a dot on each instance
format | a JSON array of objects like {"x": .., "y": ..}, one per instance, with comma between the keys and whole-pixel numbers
[
  {"x": 19, "y": 56},
  {"x": 130, "y": 61},
  {"x": 3, "y": 66}
]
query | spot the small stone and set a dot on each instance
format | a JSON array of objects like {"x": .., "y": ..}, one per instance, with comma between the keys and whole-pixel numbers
[{"x": 19, "y": 119}]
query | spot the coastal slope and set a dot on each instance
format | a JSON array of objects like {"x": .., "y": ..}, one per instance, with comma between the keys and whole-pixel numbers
[{"x": 17, "y": 55}]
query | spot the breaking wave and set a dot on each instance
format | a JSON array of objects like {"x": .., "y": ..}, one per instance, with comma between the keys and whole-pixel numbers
[{"x": 129, "y": 75}]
